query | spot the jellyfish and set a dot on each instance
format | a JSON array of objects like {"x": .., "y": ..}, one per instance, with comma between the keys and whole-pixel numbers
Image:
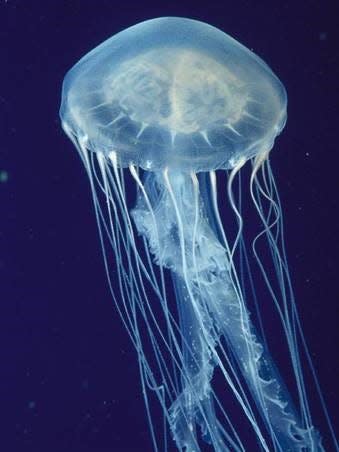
[{"x": 174, "y": 122}]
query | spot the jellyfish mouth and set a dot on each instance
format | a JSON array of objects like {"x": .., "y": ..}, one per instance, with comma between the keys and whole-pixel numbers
[{"x": 182, "y": 91}]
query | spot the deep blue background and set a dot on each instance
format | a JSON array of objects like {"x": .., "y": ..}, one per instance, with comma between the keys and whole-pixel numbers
[{"x": 68, "y": 375}]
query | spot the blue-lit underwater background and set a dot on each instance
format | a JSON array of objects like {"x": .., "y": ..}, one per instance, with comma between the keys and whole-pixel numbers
[{"x": 69, "y": 379}]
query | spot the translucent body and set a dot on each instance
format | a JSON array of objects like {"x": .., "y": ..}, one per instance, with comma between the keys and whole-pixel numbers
[
  {"x": 173, "y": 100},
  {"x": 174, "y": 92}
]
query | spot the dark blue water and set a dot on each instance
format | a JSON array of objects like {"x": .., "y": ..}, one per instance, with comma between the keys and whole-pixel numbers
[{"x": 68, "y": 375}]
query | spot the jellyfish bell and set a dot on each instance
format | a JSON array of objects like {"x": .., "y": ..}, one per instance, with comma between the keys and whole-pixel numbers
[
  {"x": 168, "y": 102},
  {"x": 177, "y": 93}
]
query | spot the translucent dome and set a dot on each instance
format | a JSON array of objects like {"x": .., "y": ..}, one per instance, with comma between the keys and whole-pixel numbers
[{"x": 174, "y": 92}]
